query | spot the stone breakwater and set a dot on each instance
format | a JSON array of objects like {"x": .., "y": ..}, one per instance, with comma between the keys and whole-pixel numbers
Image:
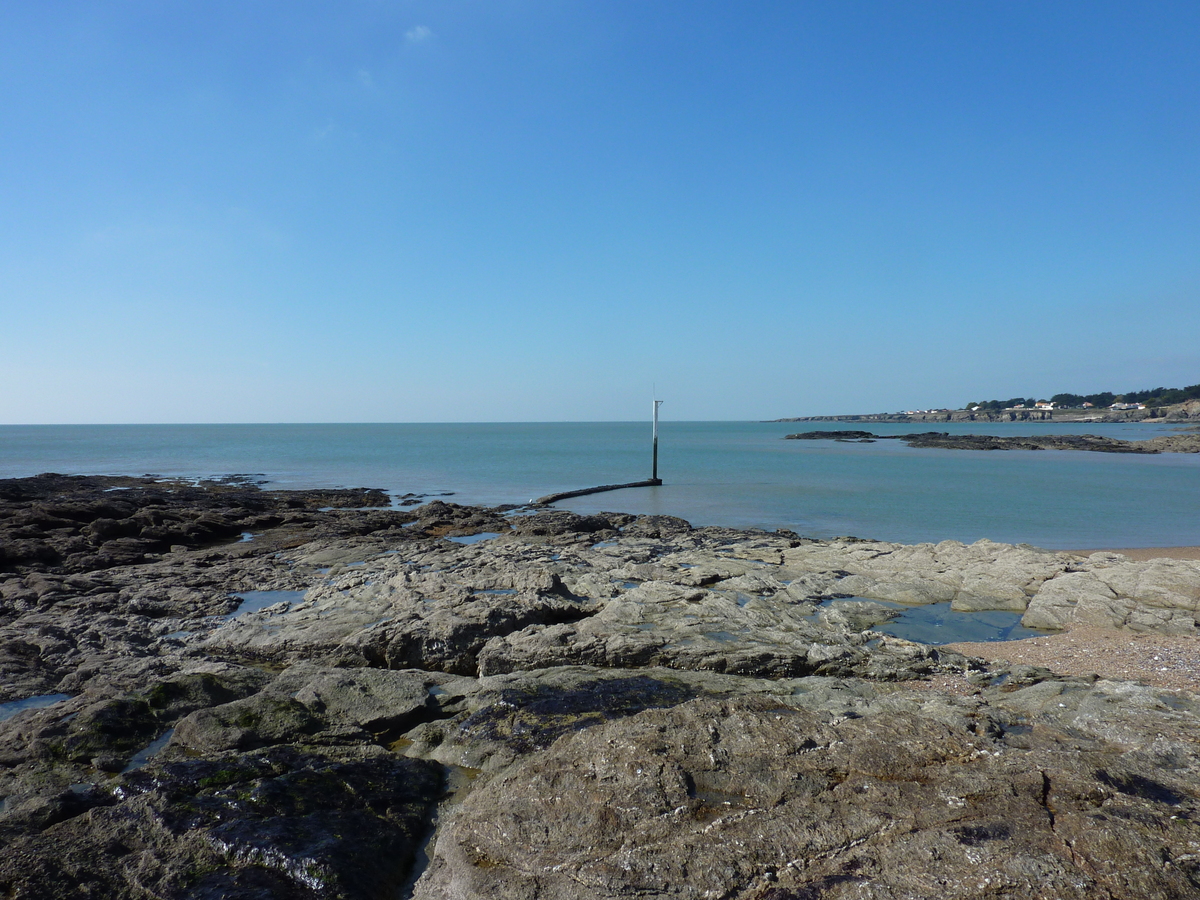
[{"x": 601, "y": 706}]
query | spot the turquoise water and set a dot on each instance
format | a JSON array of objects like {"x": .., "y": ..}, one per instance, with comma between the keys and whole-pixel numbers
[
  {"x": 740, "y": 474},
  {"x": 937, "y": 623}
]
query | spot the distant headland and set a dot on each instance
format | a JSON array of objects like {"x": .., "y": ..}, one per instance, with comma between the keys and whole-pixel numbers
[
  {"x": 1169, "y": 443},
  {"x": 1159, "y": 404}
]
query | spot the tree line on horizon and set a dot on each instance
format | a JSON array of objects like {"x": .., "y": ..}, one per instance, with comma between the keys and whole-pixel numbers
[{"x": 1159, "y": 396}]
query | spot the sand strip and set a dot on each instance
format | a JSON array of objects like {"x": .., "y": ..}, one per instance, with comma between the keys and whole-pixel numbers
[
  {"x": 1164, "y": 660},
  {"x": 1144, "y": 553}
]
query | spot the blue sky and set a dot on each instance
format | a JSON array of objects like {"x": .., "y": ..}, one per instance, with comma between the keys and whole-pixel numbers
[{"x": 374, "y": 210}]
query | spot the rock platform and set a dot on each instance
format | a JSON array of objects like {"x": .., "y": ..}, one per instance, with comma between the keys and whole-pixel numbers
[{"x": 458, "y": 702}]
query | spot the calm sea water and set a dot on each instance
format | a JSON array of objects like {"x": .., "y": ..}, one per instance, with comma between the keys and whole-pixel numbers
[{"x": 727, "y": 473}]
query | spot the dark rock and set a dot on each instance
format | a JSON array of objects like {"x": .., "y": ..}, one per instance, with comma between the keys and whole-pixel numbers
[
  {"x": 439, "y": 519},
  {"x": 830, "y": 436},
  {"x": 179, "y": 695},
  {"x": 280, "y": 823},
  {"x": 533, "y": 717},
  {"x": 257, "y": 721},
  {"x": 657, "y": 527},
  {"x": 561, "y": 523},
  {"x": 947, "y": 441},
  {"x": 74, "y": 523},
  {"x": 450, "y": 639},
  {"x": 44, "y": 812},
  {"x": 114, "y": 727},
  {"x": 101, "y": 530}
]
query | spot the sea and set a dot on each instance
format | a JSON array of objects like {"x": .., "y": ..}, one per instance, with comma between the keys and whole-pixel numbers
[{"x": 738, "y": 474}]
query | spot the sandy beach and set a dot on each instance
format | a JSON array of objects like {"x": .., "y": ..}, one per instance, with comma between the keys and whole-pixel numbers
[{"x": 1170, "y": 661}]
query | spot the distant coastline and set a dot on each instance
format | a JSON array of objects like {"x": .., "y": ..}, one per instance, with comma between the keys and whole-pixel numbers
[
  {"x": 1188, "y": 412},
  {"x": 1177, "y": 443}
]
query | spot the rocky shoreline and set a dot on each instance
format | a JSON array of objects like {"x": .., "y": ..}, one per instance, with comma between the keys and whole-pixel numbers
[
  {"x": 1173, "y": 443},
  {"x": 452, "y": 702},
  {"x": 1187, "y": 412}
]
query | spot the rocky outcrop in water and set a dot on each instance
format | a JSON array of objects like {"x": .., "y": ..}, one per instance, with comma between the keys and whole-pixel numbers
[
  {"x": 1174, "y": 443},
  {"x": 600, "y": 706}
]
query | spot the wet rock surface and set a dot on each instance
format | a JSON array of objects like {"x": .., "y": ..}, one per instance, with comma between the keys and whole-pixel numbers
[
  {"x": 284, "y": 822},
  {"x": 572, "y": 706}
]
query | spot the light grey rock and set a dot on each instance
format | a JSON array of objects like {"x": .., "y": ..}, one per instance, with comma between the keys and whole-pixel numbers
[
  {"x": 1161, "y": 583},
  {"x": 1054, "y": 590},
  {"x": 815, "y": 586},
  {"x": 916, "y": 592},
  {"x": 750, "y": 583},
  {"x": 309, "y": 702},
  {"x": 1053, "y": 606},
  {"x": 981, "y": 591},
  {"x": 593, "y": 585},
  {"x": 857, "y": 615},
  {"x": 1113, "y": 591},
  {"x": 979, "y": 576}
]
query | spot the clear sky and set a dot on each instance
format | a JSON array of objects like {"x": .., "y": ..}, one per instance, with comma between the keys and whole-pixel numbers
[{"x": 505, "y": 210}]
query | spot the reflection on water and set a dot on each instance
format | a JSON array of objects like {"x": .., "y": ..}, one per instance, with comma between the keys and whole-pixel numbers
[
  {"x": 937, "y": 623},
  {"x": 144, "y": 755},
  {"x": 474, "y": 538},
  {"x": 253, "y": 601}
]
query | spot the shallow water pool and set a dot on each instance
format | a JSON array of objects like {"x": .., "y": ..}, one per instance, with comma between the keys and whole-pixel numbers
[
  {"x": 474, "y": 538},
  {"x": 937, "y": 623},
  {"x": 12, "y": 707},
  {"x": 253, "y": 601}
]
